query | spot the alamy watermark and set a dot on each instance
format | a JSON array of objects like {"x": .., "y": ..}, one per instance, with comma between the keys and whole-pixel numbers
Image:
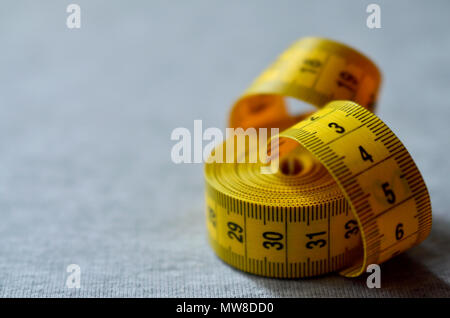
[
  {"x": 242, "y": 146},
  {"x": 74, "y": 278},
  {"x": 73, "y": 20},
  {"x": 374, "y": 279},
  {"x": 374, "y": 19}
]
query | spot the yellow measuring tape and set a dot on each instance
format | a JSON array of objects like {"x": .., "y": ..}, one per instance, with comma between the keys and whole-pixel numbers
[{"x": 347, "y": 193}]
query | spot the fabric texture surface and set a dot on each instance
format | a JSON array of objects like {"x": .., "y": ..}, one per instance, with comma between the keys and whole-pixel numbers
[{"x": 86, "y": 175}]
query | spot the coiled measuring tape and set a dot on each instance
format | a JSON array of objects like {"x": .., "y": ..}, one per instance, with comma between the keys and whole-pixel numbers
[{"x": 347, "y": 194}]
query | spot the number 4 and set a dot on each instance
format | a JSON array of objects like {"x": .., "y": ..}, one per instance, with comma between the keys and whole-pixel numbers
[{"x": 364, "y": 154}]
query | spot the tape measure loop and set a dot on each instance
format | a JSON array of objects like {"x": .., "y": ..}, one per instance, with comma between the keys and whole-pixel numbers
[{"x": 347, "y": 193}]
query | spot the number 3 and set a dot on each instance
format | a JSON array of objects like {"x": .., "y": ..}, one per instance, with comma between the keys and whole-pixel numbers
[{"x": 339, "y": 129}]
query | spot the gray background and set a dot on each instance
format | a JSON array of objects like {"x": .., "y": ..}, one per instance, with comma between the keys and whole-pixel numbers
[{"x": 85, "y": 123}]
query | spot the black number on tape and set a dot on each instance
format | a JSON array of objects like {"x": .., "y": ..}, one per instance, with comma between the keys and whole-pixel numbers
[
  {"x": 399, "y": 232},
  {"x": 352, "y": 228},
  {"x": 339, "y": 129},
  {"x": 320, "y": 242},
  {"x": 390, "y": 195},
  {"x": 364, "y": 154},
  {"x": 271, "y": 240},
  {"x": 234, "y": 230}
]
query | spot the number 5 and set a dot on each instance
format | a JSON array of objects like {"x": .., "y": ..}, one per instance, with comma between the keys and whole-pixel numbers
[{"x": 390, "y": 195}]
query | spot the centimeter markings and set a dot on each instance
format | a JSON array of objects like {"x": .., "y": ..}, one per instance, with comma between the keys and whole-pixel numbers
[
  {"x": 310, "y": 267},
  {"x": 409, "y": 172},
  {"x": 321, "y": 95},
  {"x": 285, "y": 215},
  {"x": 311, "y": 93},
  {"x": 307, "y": 214},
  {"x": 349, "y": 181},
  {"x": 326, "y": 71},
  {"x": 336, "y": 164}
]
